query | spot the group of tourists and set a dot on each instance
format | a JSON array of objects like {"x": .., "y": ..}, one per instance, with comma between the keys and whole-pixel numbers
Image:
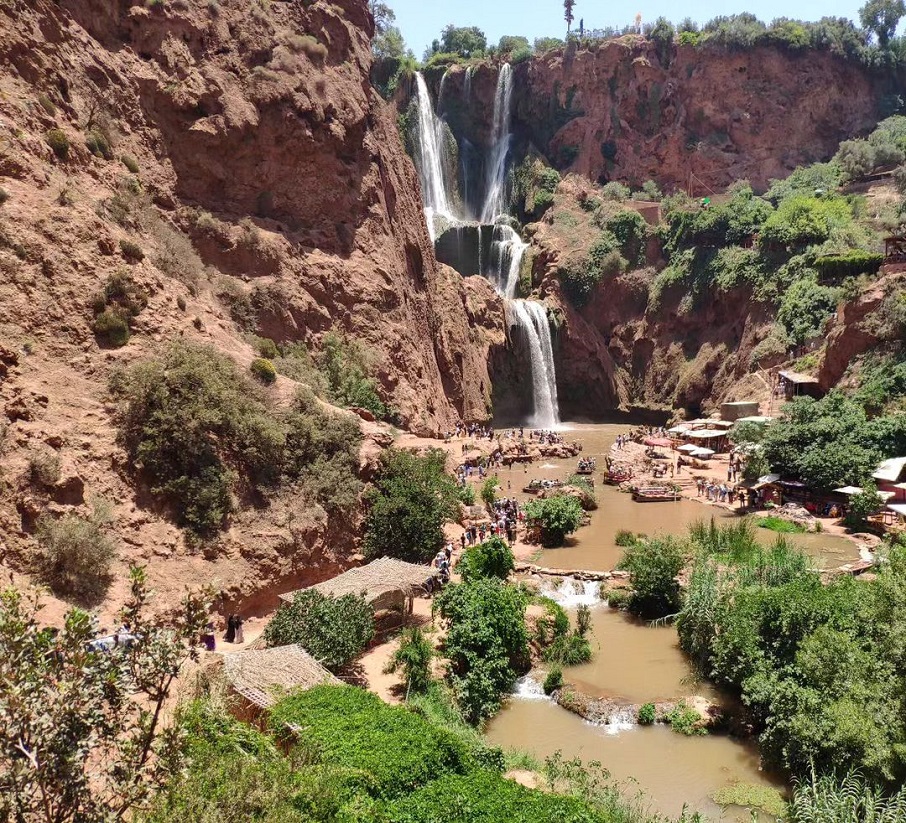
[
  {"x": 235, "y": 632},
  {"x": 473, "y": 430},
  {"x": 714, "y": 491}
]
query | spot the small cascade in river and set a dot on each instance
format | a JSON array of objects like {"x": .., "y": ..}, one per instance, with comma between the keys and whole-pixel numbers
[
  {"x": 570, "y": 592},
  {"x": 507, "y": 248}
]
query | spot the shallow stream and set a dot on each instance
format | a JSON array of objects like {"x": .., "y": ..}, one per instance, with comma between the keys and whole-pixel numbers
[{"x": 632, "y": 660}]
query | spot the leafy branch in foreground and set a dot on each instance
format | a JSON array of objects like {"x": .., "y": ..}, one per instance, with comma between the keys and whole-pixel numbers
[{"x": 81, "y": 732}]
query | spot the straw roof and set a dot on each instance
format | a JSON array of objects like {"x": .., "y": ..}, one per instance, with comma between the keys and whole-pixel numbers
[
  {"x": 261, "y": 675},
  {"x": 376, "y": 579}
]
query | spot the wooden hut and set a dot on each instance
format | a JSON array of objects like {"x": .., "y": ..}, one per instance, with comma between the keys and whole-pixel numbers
[
  {"x": 387, "y": 584},
  {"x": 260, "y": 677},
  {"x": 793, "y": 384}
]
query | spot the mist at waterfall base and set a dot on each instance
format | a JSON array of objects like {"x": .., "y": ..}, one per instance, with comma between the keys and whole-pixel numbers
[{"x": 480, "y": 204}]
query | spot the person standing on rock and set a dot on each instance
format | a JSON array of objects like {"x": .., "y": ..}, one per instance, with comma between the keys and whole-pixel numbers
[
  {"x": 240, "y": 633},
  {"x": 230, "y": 636}
]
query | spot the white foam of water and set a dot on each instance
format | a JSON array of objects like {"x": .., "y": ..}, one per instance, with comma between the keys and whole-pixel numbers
[
  {"x": 571, "y": 593},
  {"x": 527, "y": 688},
  {"x": 549, "y": 466},
  {"x": 620, "y": 721}
]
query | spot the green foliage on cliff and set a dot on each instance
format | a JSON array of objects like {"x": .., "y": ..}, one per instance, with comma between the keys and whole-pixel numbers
[{"x": 200, "y": 431}]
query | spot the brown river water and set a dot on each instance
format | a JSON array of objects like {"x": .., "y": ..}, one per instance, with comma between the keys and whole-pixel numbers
[{"x": 635, "y": 661}]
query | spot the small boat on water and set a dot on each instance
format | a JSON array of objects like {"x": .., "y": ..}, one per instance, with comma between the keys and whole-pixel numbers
[
  {"x": 616, "y": 477},
  {"x": 655, "y": 494},
  {"x": 540, "y": 485},
  {"x": 587, "y": 465}
]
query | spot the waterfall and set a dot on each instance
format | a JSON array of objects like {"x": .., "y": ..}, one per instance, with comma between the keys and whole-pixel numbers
[
  {"x": 495, "y": 200},
  {"x": 507, "y": 248},
  {"x": 571, "y": 592},
  {"x": 432, "y": 157}
]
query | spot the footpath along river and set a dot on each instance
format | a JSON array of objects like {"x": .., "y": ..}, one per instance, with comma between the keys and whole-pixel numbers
[{"x": 632, "y": 660}]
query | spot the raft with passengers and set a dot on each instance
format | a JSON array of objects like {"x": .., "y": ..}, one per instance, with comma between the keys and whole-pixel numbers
[
  {"x": 587, "y": 465},
  {"x": 655, "y": 494},
  {"x": 541, "y": 485}
]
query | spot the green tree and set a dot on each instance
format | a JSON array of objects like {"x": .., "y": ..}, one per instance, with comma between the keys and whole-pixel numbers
[
  {"x": 487, "y": 642},
  {"x": 543, "y": 44},
  {"x": 862, "y": 506},
  {"x": 653, "y": 565},
  {"x": 489, "y": 491},
  {"x": 553, "y": 518},
  {"x": 82, "y": 733},
  {"x": 493, "y": 558},
  {"x": 333, "y": 630},
  {"x": 466, "y": 41},
  {"x": 412, "y": 498},
  {"x": 413, "y": 658},
  {"x": 510, "y": 43},
  {"x": 881, "y": 17}
]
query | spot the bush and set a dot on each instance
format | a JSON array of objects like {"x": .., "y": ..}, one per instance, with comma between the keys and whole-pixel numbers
[
  {"x": 345, "y": 366},
  {"x": 489, "y": 491},
  {"x": 334, "y": 630},
  {"x": 97, "y": 143},
  {"x": 58, "y": 142},
  {"x": 553, "y": 680},
  {"x": 862, "y": 506},
  {"x": 467, "y": 494},
  {"x": 647, "y": 714},
  {"x": 264, "y": 370},
  {"x": 354, "y": 729},
  {"x": 186, "y": 441},
  {"x": 131, "y": 251},
  {"x": 625, "y": 538},
  {"x": 111, "y": 328},
  {"x": 130, "y": 163},
  {"x": 805, "y": 308},
  {"x": 266, "y": 348},
  {"x": 44, "y": 467},
  {"x": 413, "y": 657},
  {"x": 619, "y": 598},
  {"x": 685, "y": 720},
  {"x": 568, "y": 650},
  {"x": 75, "y": 557},
  {"x": 653, "y": 565},
  {"x": 411, "y": 500},
  {"x": 553, "y": 519},
  {"x": 615, "y": 190},
  {"x": 493, "y": 558}
]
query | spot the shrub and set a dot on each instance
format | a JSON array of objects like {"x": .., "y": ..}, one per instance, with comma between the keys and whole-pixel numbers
[
  {"x": 411, "y": 500},
  {"x": 553, "y": 680},
  {"x": 804, "y": 309},
  {"x": 553, "y": 519},
  {"x": 334, "y": 630},
  {"x": 618, "y": 598},
  {"x": 489, "y": 491},
  {"x": 184, "y": 441},
  {"x": 44, "y": 467},
  {"x": 614, "y": 190},
  {"x": 553, "y": 625},
  {"x": 130, "y": 163},
  {"x": 131, "y": 251},
  {"x": 862, "y": 506},
  {"x": 175, "y": 255},
  {"x": 354, "y": 729},
  {"x": 467, "y": 494},
  {"x": 625, "y": 538},
  {"x": 541, "y": 202},
  {"x": 653, "y": 565},
  {"x": 111, "y": 328},
  {"x": 345, "y": 365},
  {"x": 47, "y": 104},
  {"x": 493, "y": 558},
  {"x": 266, "y": 348},
  {"x": 413, "y": 657},
  {"x": 568, "y": 650},
  {"x": 647, "y": 714},
  {"x": 97, "y": 143},
  {"x": 58, "y": 142},
  {"x": 847, "y": 799},
  {"x": 75, "y": 556},
  {"x": 685, "y": 720},
  {"x": 264, "y": 370}
]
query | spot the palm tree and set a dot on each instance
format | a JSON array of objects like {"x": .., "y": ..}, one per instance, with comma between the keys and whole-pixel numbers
[{"x": 568, "y": 5}]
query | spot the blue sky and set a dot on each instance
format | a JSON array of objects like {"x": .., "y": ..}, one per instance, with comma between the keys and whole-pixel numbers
[{"x": 422, "y": 20}]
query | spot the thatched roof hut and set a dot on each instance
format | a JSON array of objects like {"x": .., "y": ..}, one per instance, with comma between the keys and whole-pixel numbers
[
  {"x": 260, "y": 675},
  {"x": 385, "y": 583}
]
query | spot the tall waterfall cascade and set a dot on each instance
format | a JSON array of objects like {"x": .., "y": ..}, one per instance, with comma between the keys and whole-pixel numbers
[{"x": 507, "y": 248}]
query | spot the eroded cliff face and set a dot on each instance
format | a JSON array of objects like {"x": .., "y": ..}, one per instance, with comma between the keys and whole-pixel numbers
[
  {"x": 623, "y": 110},
  {"x": 265, "y": 182}
]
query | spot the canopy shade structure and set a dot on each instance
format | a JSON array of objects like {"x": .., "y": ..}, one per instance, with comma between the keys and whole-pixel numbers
[
  {"x": 657, "y": 441},
  {"x": 703, "y": 452},
  {"x": 890, "y": 470},
  {"x": 262, "y": 676},
  {"x": 380, "y": 582},
  {"x": 849, "y": 490},
  {"x": 898, "y": 508},
  {"x": 755, "y": 419},
  {"x": 679, "y": 429},
  {"x": 706, "y": 434},
  {"x": 797, "y": 378},
  {"x": 688, "y": 447}
]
